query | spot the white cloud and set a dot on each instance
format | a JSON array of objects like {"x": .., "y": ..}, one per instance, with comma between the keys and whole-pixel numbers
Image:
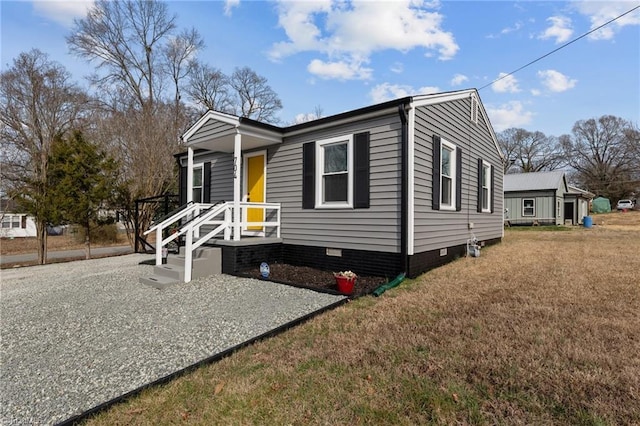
[
  {"x": 62, "y": 12},
  {"x": 387, "y": 91},
  {"x": 560, "y": 29},
  {"x": 536, "y": 92},
  {"x": 556, "y": 81},
  {"x": 348, "y": 32},
  {"x": 458, "y": 79},
  {"x": 511, "y": 114},
  {"x": 601, "y": 12},
  {"x": 397, "y": 67},
  {"x": 515, "y": 27},
  {"x": 229, "y": 5},
  {"x": 508, "y": 83},
  {"x": 340, "y": 70}
]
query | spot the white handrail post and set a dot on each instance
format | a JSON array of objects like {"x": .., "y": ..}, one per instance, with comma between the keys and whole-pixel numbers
[
  {"x": 278, "y": 225},
  {"x": 159, "y": 245},
  {"x": 188, "y": 255},
  {"x": 227, "y": 220}
]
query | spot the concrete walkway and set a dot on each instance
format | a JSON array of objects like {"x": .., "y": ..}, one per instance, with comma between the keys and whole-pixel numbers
[{"x": 65, "y": 254}]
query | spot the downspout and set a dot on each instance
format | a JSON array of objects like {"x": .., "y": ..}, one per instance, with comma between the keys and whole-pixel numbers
[{"x": 404, "y": 192}]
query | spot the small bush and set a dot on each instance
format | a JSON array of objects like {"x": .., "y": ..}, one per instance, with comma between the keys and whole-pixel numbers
[{"x": 99, "y": 234}]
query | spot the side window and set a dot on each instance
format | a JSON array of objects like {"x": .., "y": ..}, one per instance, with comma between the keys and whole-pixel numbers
[
  {"x": 528, "y": 207},
  {"x": 447, "y": 175},
  {"x": 198, "y": 171},
  {"x": 485, "y": 196},
  {"x": 334, "y": 172}
]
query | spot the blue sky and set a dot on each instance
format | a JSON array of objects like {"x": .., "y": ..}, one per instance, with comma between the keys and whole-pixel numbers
[{"x": 342, "y": 55}]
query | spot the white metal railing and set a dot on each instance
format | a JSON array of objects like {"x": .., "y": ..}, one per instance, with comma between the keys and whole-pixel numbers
[{"x": 220, "y": 216}]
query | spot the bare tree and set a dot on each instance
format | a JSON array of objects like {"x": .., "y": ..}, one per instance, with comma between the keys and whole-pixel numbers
[
  {"x": 255, "y": 98},
  {"x": 209, "y": 87},
  {"x": 39, "y": 102},
  {"x": 140, "y": 67},
  {"x": 526, "y": 151},
  {"x": 605, "y": 155}
]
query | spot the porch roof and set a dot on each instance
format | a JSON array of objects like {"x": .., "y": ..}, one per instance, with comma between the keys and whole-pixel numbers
[{"x": 216, "y": 131}]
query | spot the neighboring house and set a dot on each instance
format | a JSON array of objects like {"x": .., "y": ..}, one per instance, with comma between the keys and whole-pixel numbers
[
  {"x": 396, "y": 187},
  {"x": 14, "y": 224},
  {"x": 544, "y": 198},
  {"x": 576, "y": 205}
]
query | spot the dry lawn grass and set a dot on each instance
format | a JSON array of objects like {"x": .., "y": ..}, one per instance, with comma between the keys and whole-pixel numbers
[
  {"x": 54, "y": 243},
  {"x": 541, "y": 329}
]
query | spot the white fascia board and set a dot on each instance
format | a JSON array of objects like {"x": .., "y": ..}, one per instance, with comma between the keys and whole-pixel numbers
[{"x": 210, "y": 115}]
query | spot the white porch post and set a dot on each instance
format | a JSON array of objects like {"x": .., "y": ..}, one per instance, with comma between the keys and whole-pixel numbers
[
  {"x": 237, "y": 167},
  {"x": 189, "y": 174}
]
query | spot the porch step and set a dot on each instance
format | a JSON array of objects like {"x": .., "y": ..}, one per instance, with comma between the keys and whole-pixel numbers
[{"x": 206, "y": 262}]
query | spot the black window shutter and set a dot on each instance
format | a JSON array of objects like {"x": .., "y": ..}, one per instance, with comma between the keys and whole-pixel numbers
[
  {"x": 206, "y": 190},
  {"x": 480, "y": 185},
  {"x": 361, "y": 176},
  {"x": 492, "y": 188},
  {"x": 458, "y": 179},
  {"x": 435, "y": 178},
  {"x": 308, "y": 175},
  {"x": 182, "y": 183}
]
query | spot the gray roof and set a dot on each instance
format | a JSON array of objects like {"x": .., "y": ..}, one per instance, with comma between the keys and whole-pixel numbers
[
  {"x": 582, "y": 192},
  {"x": 532, "y": 181}
]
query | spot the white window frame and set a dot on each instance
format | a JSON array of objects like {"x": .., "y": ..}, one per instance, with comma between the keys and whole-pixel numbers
[
  {"x": 486, "y": 166},
  {"x": 193, "y": 171},
  {"x": 320, "y": 203},
  {"x": 454, "y": 159},
  {"x": 534, "y": 207}
]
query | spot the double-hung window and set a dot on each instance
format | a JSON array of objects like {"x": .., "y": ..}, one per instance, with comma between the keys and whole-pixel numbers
[
  {"x": 334, "y": 166},
  {"x": 198, "y": 179},
  {"x": 447, "y": 175},
  {"x": 486, "y": 187},
  {"x": 528, "y": 207}
]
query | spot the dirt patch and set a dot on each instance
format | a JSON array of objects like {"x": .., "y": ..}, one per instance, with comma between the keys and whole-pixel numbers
[
  {"x": 9, "y": 246},
  {"x": 315, "y": 279}
]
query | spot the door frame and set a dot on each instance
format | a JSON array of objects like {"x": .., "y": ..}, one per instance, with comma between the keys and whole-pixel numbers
[{"x": 245, "y": 180}]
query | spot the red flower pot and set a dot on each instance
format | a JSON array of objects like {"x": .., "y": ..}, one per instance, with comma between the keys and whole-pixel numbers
[{"x": 345, "y": 285}]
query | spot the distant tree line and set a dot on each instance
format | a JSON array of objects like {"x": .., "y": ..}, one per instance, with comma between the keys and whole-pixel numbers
[
  {"x": 601, "y": 155},
  {"x": 147, "y": 85}
]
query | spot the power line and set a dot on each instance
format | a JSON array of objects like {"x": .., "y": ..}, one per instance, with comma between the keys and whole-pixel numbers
[{"x": 561, "y": 47}]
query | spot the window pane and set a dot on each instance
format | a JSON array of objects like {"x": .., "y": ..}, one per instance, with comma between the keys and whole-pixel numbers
[
  {"x": 485, "y": 198},
  {"x": 335, "y": 158},
  {"x": 446, "y": 161},
  {"x": 485, "y": 176},
  {"x": 446, "y": 190},
  {"x": 6, "y": 222},
  {"x": 197, "y": 195},
  {"x": 197, "y": 177},
  {"x": 335, "y": 187}
]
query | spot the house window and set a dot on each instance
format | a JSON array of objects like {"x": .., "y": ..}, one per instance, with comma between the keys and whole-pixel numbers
[
  {"x": 447, "y": 175},
  {"x": 528, "y": 207},
  {"x": 6, "y": 222},
  {"x": 198, "y": 179},
  {"x": 13, "y": 221},
  {"x": 486, "y": 187},
  {"x": 334, "y": 166}
]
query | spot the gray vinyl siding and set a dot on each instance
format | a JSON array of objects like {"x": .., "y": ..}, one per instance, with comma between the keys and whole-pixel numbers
[
  {"x": 376, "y": 228},
  {"x": 544, "y": 203},
  {"x": 435, "y": 229},
  {"x": 222, "y": 177},
  {"x": 210, "y": 130}
]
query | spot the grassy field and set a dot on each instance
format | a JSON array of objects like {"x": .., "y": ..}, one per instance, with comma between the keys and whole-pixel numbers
[{"x": 541, "y": 329}]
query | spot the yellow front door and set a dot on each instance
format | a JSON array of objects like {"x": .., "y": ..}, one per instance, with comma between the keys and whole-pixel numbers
[{"x": 255, "y": 190}]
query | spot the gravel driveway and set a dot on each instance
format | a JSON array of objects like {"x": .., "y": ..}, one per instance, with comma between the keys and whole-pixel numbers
[{"x": 75, "y": 335}]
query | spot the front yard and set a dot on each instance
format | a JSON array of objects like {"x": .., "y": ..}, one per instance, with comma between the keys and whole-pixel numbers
[{"x": 543, "y": 328}]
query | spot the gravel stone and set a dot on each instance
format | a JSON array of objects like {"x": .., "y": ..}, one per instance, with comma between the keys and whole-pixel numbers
[{"x": 75, "y": 335}]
